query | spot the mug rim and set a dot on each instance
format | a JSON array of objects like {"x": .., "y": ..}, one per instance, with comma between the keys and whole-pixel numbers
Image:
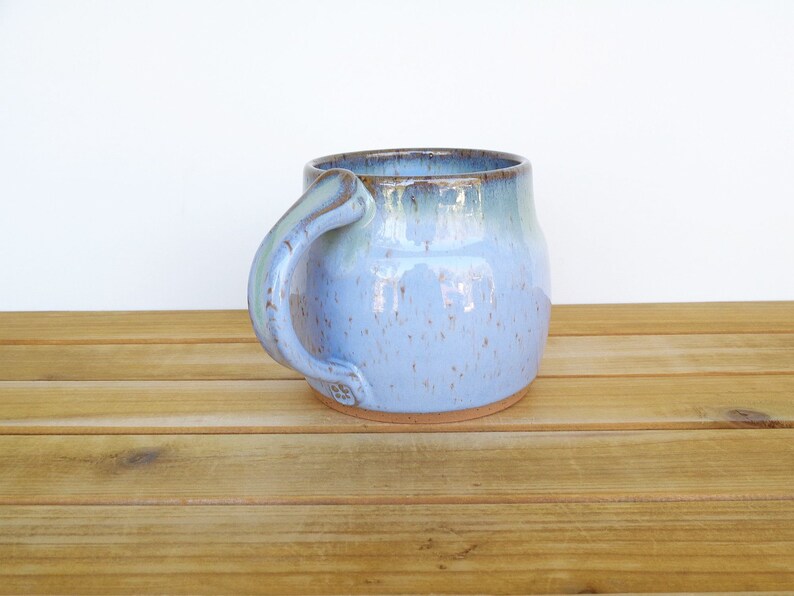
[{"x": 520, "y": 164}]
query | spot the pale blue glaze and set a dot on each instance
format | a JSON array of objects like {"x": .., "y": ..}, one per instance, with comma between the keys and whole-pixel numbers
[{"x": 436, "y": 299}]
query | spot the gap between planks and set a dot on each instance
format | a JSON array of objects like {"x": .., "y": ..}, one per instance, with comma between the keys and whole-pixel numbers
[{"x": 428, "y": 500}]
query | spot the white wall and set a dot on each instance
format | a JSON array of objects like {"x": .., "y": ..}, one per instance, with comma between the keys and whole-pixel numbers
[{"x": 146, "y": 148}]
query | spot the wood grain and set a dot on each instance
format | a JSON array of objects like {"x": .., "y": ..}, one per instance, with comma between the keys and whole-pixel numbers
[
  {"x": 605, "y": 403},
  {"x": 564, "y": 356},
  {"x": 406, "y": 468},
  {"x": 211, "y": 326},
  {"x": 464, "y": 549}
]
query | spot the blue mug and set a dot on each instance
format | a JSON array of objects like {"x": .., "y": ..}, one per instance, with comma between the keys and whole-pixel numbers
[{"x": 408, "y": 285}]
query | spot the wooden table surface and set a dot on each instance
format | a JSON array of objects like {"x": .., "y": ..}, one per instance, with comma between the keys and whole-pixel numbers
[{"x": 165, "y": 452}]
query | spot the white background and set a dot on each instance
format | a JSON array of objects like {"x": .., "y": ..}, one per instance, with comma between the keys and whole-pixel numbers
[{"x": 147, "y": 147}]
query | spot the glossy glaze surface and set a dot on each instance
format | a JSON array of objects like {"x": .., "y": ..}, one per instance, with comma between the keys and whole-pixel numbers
[{"x": 439, "y": 296}]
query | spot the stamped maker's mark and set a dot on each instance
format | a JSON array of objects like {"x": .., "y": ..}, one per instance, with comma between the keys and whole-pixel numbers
[{"x": 342, "y": 393}]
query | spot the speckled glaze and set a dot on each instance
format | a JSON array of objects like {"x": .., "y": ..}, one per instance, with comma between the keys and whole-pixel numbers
[{"x": 408, "y": 285}]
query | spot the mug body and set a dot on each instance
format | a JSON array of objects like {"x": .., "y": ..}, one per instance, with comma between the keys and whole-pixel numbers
[{"x": 440, "y": 295}]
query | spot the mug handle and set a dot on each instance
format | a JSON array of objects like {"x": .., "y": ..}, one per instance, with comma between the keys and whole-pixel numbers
[{"x": 336, "y": 198}]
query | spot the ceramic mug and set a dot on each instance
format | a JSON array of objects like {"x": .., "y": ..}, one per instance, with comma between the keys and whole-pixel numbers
[{"x": 408, "y": 285}]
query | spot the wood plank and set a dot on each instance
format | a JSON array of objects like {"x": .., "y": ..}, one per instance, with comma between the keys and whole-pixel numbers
[
  {"x": 113, "y": 327},
  {"x": 673, "y": 318},
  {"x": 409, "y": 468},
  {"x": 565, "y": 356},
  {"x": 110, "y": 327},
  {"x": 465, "y": 549},
  {"x": 668, "y": 355},
  {"x": 607, "y": 403},
  {"x": 139, "y": 362}
]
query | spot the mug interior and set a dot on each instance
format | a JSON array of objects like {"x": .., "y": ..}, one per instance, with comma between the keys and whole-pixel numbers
[{"x": 420, "y": 163}]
